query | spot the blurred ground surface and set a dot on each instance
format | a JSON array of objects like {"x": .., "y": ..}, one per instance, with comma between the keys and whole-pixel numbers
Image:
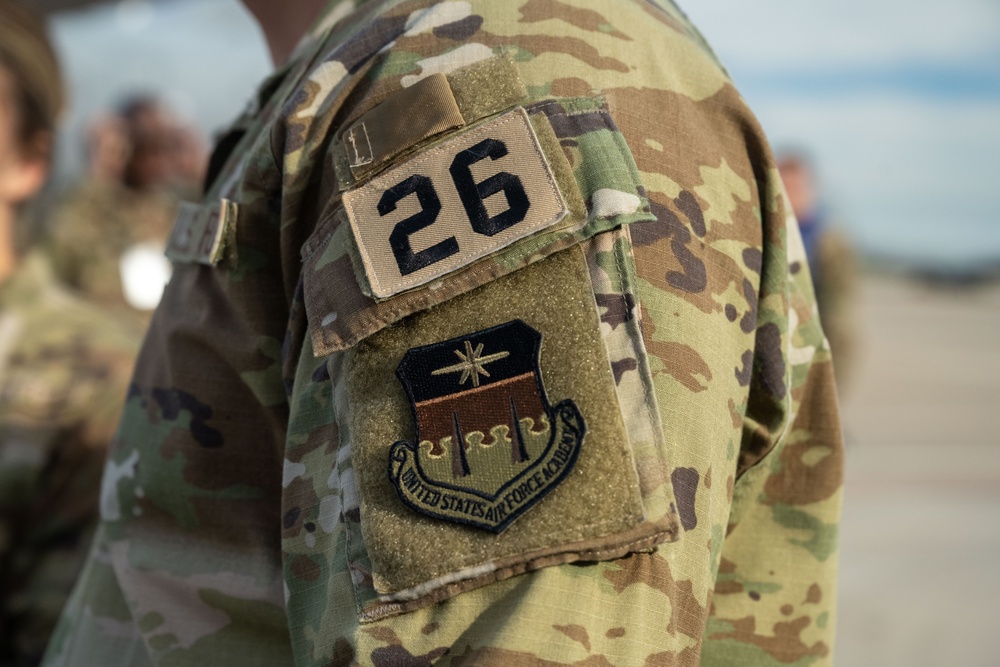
[{"x": 920, "y": 555}]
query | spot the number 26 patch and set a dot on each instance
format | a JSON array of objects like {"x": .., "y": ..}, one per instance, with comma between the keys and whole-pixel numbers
[{"x": 453, "y": 204}]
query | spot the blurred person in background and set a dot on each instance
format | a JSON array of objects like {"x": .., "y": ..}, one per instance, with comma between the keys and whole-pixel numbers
[
  {"x": 190, "y": 163},
  {"x": 832, "y": 262},
  {"x": 63, "y": 369},
  {"x": 109, "y": 233}
]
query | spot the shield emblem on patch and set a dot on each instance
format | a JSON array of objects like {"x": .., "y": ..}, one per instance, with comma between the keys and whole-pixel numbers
[{"x": 488, "y": 445}]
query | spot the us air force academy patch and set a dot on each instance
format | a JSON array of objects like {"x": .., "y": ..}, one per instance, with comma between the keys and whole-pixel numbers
[
  {"x": 453, "y": 204},
  {"x": 489, "y": 446}
]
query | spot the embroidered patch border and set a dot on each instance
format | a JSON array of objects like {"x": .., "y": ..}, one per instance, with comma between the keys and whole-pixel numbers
[{"x": 504, "y": 409}]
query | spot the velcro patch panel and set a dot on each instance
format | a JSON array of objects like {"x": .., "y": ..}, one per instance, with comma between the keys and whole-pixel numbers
[
  {"x": 412, "y": 115},
  {"x": 463, "y": 484},
  {"x": 592, "y": 167}
]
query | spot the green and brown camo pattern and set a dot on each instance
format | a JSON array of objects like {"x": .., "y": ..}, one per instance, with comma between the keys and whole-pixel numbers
[
  {"x": 231, "y": 509},
  {"x": 92, "y": 227},
  {"x": 64, "y": 369}
]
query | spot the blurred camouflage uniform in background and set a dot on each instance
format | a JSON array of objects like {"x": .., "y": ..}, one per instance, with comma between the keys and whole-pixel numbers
[
  {"x": 834, "y": 268},
  {"x": 124, "y": 207},
  {"x": 255, "y": 507},
  {"x": 94, "y": 228},
  {"x": 64, "y": 369}
]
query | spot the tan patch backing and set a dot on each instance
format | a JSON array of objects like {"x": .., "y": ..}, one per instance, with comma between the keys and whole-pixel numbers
[{"x": 524, "y": 160}]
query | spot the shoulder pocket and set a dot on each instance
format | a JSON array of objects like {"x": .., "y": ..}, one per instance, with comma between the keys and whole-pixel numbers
[
  {"x": 477, "y": 205},
  {"x": 490, "y": 433}
]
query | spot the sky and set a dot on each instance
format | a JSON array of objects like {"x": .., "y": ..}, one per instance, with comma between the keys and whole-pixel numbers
[
  {"x": 897, "y": 101},
  {"x": 204, "y": 57}
]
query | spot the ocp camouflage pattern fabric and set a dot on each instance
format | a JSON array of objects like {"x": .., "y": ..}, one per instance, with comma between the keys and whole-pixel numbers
[{"x": 239, "y": 506}]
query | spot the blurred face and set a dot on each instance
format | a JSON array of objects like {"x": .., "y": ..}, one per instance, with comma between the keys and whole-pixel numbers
[
  {"x": 22, "y": 168},
  {"x": 154, "y": 143},
  {"x": 109, "y": 148}
]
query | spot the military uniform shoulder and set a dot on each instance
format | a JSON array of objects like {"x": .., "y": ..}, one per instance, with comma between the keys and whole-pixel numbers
[
  {"x": 557, "y": 50},
  {"x": 450, "y": 32}
]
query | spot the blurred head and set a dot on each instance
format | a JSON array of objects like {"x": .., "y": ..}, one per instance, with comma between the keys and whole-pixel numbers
[
  {"x": 108, "y": 148},
  {"x": 31, "y": 100},
  {"x": 800, "y": 183},
  {"x": 153, "y": 135},
  {"x": 191, "y": 158}
]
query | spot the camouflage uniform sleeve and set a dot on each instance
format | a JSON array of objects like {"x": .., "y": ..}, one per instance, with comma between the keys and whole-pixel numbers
[
  {"x": 707, "y": 318},
  {"x": 775, "y": 594}
]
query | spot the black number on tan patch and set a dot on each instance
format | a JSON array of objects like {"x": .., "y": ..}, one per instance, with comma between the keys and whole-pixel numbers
[
  {"x": 399, "y": 239},
  {"x": 453, "y": 204},
  {"x": 473, "y": 193},
  {"x": 488, "y": 445}
]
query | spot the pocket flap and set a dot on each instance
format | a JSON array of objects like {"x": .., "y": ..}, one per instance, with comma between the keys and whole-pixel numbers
[{"x": 568, "y": 158}]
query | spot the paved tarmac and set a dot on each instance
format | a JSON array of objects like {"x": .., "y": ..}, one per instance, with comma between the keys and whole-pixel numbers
[{"x": 920, "y": 550}]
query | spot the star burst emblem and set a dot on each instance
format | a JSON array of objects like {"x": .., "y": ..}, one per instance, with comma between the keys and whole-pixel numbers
[{"x": 472, "y": 364}]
